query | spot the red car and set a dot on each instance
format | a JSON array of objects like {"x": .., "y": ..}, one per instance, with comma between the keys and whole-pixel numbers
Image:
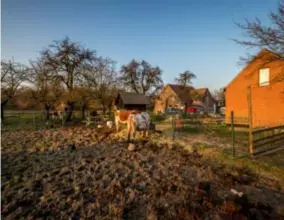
[{"x": 191, "y": 109}]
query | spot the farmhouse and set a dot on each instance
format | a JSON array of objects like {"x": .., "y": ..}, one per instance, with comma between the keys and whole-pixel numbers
[
  {"x": 177, "y": 96},
  {"x": 265, "y": 76},
  {"x": 132, "y": 101}
]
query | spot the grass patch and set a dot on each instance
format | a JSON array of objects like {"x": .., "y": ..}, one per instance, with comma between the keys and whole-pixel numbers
[
  {"x": 270, "y": 165},
  {"x": 157, "y": 117},
  {"x": 23, "y": 121},
  {"x": 187, "y": 129},
  {"x": 32, "y": 120}
]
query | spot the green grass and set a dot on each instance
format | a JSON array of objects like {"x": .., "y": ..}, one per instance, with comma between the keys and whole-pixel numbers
[
  {"x": 157, "y": 117},
  {"x": 271, "y": 165},
  {"x": 31, "y": 120},
  {"x": 224, "y": 131},
  {"x": 34, "y": 120},
  {"x": 193, "y": 130},
  {"x": 14, "y": 120}
]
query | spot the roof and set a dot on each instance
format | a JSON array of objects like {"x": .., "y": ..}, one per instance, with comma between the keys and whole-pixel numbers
[
  {"x": 264, "y": 54},
  {"x": 130, "y": 98},
  {"x": 183, "y": 96},
  {"x": 201, "y": 91},
  {"x": 181, "y": 93}
]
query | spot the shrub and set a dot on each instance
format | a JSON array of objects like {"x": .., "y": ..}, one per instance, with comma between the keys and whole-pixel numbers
[{"x": 158, "y": 117}]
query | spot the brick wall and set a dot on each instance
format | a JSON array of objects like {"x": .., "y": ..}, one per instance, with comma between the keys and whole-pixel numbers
[
  {"x": 160, "y": 103},
  {"x": 267, "y": 101}
]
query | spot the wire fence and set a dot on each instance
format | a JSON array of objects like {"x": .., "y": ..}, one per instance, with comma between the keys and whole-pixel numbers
[
  {"x": 36, "y": 120},
  {"x": 19, "y": 120},
  {"x": 230, "y": 138},
  {"x": 232, "y": 135}
]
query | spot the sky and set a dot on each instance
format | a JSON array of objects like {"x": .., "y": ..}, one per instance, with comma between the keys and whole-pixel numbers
[{"x": 174, "y": 35}]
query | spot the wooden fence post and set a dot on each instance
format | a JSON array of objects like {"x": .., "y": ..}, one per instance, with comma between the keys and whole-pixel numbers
[
  {"x": 233, "y": 133},
  {"x": 173, "y": 125},
  {"x": 250, "y": 122},
  {"x": 34, "y": 121}
]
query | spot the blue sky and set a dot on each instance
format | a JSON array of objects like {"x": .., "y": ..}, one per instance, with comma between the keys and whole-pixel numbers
[{"x": 175, "y": 35}]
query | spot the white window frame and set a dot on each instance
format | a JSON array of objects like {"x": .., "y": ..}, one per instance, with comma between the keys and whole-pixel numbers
[{"x": 264, "y": 77}]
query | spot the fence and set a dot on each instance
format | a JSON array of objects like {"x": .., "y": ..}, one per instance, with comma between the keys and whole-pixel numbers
[
  {"x": 28, "y": 120},
  {"x": 266, "y": 139},
  {"x": 36, "y": 120},
  {"x": 227, "y": 134},
  {"x": 244, "y": 140}
]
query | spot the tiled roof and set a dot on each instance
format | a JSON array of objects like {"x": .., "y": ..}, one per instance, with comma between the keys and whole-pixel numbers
[
  {"x": 183, "y": 95},
  {"x": 201, "y": 91},
  {"x": 134, "y": 98}
]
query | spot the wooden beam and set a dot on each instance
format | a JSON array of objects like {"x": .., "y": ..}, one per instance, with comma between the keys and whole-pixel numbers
[
  {"x": 270, "y": 141},
  {"x": 269, "y": 138},
  {"x": 267, "y": 129},
  {"x": 250, "y": 120},
  {"x": 233, "y": 132}
]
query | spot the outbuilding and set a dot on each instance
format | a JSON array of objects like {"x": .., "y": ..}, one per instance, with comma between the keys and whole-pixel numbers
[{"x": 132, "y": 101}]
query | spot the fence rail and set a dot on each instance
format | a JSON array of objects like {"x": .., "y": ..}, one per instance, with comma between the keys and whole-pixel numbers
[
  {"x": 261, "y": 130},
  {"x": 213, "y": 128},
  {"x": 266, "y": 139},
  {"x": 253, "y": 141}
]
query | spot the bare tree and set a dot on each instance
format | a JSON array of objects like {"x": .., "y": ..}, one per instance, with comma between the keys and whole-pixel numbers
[
  {"x": 271, "y": 37},
  {"x": 219, "y": 95},
  {"x": 141, "y": 77},
  {"x": 262, "y": 36},
  {"x": 83, "y": 95},
  {"x": 101, "y": 78},
  {"x": 13, "y": 74},
  {"x": 107, "y": 78},
  {"x": 23, "y": 99},
  {"x": 47, "y": 87},
  {"x": 185, "y": 80},
  {"x": 67, "y": 59}
]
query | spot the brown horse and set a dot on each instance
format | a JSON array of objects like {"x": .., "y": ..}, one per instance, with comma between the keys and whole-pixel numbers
[{"x": 59, "y": 111}]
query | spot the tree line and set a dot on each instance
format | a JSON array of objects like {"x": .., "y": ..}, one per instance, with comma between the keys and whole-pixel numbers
[{"x": 68, "y": 72}]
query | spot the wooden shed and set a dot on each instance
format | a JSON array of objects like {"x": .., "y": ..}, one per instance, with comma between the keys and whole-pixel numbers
[{"x": 132, "y": 101}]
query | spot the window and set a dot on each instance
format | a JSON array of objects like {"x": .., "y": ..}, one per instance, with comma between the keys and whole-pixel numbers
[{"x": 264, "y": 77}]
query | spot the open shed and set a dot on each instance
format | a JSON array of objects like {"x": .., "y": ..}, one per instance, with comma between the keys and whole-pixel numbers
[{"x": 132, "y": 101}]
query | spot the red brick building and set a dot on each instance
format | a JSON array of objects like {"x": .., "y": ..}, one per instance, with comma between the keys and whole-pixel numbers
[
  {"x": 175, "y": 96},
  {"x": 265, "y": 75}
]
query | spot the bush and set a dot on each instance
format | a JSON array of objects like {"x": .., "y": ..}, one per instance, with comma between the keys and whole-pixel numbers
[
  {"x": 184, "y": 115},
  {"x": 158, "y": 117}
]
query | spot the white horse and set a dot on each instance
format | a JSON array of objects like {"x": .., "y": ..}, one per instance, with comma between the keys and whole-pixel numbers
[{"x": 138, "y": 122}]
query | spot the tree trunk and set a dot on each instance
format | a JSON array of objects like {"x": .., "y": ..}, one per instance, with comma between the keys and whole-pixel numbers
[
  {"x": 185, "y": 108},
  {"x": 47, "y": 110},
  {"x": 110, "y": 108},
  {"x": 69, "y": 111},
  {"x": 3, "y": 104},
  {"x": 84, "y": 106},
  {"x": 104, "y": 109}
]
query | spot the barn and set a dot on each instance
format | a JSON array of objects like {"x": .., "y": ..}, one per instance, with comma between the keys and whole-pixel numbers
[{"x": 132, "y": 101}]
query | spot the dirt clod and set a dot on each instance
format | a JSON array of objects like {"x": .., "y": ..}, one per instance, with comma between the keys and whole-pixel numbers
[{"x": 131, "y": 147}]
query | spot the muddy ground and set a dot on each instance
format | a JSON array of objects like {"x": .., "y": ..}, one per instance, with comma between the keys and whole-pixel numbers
[{"x": 85, "y": 173}]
